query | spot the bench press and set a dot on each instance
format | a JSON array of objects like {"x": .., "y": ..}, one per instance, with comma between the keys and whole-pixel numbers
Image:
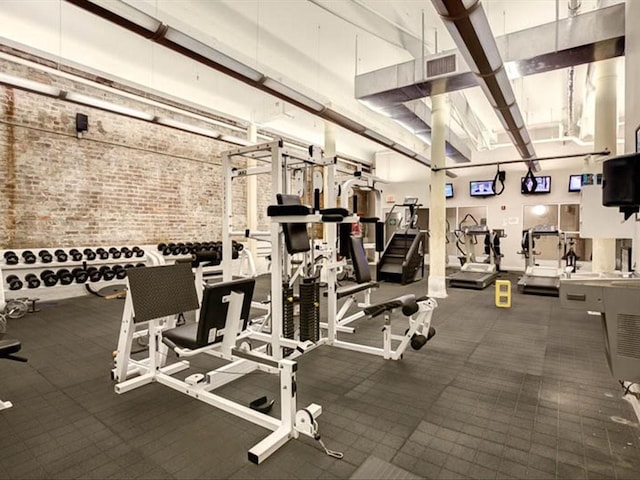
[
  {"x": 156, "y": 296},
  {"x": 8, "y": 348}
]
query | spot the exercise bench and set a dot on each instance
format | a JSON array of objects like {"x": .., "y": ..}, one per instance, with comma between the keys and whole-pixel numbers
[{"x": 8, "y": 348}]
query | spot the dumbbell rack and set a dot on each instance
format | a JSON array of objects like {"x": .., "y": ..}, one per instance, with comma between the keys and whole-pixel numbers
[{"x": 59, "y": 290}]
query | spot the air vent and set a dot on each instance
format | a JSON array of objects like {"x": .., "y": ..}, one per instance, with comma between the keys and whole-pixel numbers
[
  {"x": 441, "y": 66},
  {"x": 628, "y": 335}
]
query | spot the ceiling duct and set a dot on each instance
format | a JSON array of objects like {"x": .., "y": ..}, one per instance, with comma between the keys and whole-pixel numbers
[
  {"x": 149, "y": 27},
  {"x": 467, "y": 23}
]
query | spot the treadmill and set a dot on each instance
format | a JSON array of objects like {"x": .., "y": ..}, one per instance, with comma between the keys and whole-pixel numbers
[
  {"x": 540, "y": 280},
  {"x": 472, "y": 274}
]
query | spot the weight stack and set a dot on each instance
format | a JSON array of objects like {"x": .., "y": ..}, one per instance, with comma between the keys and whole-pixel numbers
[
  {"x": 310, "y": 310},
  {"x": 288, "y": 324}
]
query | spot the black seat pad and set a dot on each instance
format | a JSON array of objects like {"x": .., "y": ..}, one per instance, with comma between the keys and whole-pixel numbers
[
  {"x": 8, "y": 345},
  {"x": 184, "y": 336},
  {"x": 407, "y": 302}
]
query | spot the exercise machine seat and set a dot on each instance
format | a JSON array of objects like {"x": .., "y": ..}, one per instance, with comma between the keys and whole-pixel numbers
[
  {"x": 408, "y": 303},
  {"x": 296, "y": 237},
  {"x": 213, "y": 315}
]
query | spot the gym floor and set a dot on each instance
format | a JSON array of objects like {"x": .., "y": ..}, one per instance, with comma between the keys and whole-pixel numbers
[{"x": 523, "y": 392}]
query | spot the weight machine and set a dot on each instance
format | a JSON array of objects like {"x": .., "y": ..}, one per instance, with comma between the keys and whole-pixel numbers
[{"x": 156, "y": 296}]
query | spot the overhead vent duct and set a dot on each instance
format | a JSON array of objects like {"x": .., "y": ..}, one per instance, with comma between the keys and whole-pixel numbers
[
  {"x": 467, "y": 23},
  {"x": 149, "y": 27}
]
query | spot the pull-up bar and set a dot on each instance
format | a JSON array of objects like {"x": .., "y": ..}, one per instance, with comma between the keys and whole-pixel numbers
[{"x": 556, "y": 157}]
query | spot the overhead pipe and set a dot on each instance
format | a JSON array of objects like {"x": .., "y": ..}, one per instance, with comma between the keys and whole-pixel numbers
[
  {"x": 573, "y": 7},
  {"x": 149, "y": 27},
  {"x": 469, "y": 27}
]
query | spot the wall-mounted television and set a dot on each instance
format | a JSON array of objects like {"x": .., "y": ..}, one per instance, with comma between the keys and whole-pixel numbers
[
  {"x": 448, "y": 190},
  {"x": 481, "y": 188},
  {"x": 543, "y": 184},
  {"x": 575, "y": 183}
]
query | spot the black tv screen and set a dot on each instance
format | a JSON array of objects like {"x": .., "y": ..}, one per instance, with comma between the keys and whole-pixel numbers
[
  {"x": 448, "y": 190},
  {"x": 543, "y": 184},
  {"x": 481, "y": 188},
  {"x": 575, "y": 183}
]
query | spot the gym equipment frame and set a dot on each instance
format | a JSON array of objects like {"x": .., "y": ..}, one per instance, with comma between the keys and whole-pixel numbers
[
  {"x": 156, "y": 293},
  {"x": 540, "y": 280}
]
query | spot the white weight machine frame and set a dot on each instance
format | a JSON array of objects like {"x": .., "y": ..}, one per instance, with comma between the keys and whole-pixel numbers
[{"x": 155, "y": 369}]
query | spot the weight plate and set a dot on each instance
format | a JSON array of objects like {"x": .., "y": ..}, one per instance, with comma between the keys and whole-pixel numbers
[{"x": 16, "y": 309}]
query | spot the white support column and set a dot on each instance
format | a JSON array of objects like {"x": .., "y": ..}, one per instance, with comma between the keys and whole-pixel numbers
[
  {"x": 631, "y": 94},
  {"x": 227, "y": 219},
  {"x": 606, "y": 126},
  {"x": 252, "y": 192},
  {"x": 437, "y": 211}
]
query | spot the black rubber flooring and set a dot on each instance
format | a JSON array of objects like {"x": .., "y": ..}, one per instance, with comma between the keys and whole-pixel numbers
[{"x": 523, "y": 392}]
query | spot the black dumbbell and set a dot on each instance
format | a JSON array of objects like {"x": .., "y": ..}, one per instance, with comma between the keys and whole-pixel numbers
[
  {"x": 11, "y": 258},
  {"x": 64, "y": 276},
  {"x": 89, "y": 254},
  {"x": 45, "y": 256},
  {"x": 94, "y": 274},
  {"x": 14, "y": 282},
  {"x": 32, "y": 280},
  {"x": 107, "y": 273},
  {"x": 126, "y": 252},
  {"x": 140, "y": 265},
  {"x": 76, "y": 256},
  {"x": 138, "y": 252},
  {"x": 28, "y": 256},
  {"x": 128, "y": 266},
  {"x": 102, "y": 253},
  {"x": 161, "y": 246},
  {"x": 49, "y": 278},
  {"x": 115, "y": 253},
  {"x": 80, "y": 275},
  {"x": 61, "y": 255},
  {"x": 119, "y": 271}
]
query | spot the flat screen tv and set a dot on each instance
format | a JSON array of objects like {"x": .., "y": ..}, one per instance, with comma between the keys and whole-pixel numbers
[
  {"x": 575, "y": 183},
  {"x": 543, "y": 184},
  {"x": 481, "y": 188},
  {"x": 448, "y": 190}
]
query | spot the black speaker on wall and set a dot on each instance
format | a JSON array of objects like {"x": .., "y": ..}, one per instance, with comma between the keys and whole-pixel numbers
[{"x": 82, "y": 122}]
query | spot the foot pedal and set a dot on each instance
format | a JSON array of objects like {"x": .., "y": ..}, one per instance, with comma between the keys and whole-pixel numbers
[
  {"x": 194, "y": 379},
  {"x": 262, "y": 405}
]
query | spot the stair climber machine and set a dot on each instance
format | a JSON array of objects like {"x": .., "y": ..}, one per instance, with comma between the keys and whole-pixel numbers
[
  {"x": 475, "y": 274},
  {"x": 403, "y": 256},
  {"x": 537, "y": 279}
]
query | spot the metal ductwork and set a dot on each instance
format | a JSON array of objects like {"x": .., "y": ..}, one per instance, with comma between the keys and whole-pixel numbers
[
  {"x": 149, "y": 27},
  {"x": 467, "y": 23}
]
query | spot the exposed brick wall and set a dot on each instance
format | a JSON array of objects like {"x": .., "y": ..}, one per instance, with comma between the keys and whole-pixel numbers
[{"x": 126, "y": 181}]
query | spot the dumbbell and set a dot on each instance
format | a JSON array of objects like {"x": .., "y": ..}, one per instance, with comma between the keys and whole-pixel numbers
[
  {"x": 11, "y": 258},
  {"x": 28, "y": 256},
  {"x": 49, "y": 278},
  {"x": 45, "y": 256},
  {"x": 76, "y": 256},
  {"x": 107, "y": 273},
  {"x": 128, "y": 266},
  {"x": 89, "y": 254},
  {"x": 61, "y": 255},
  {"x": 64, "y": 276},
  {"x": 32, "y": 280},
  {"x": 115, "y": 253},
  {"x": 140, "y": 265},
  {"x": 126, "y": 252},
  {"x": 138, "y": 252},
  {"x": 80, "y": 275},
  {"x": 119, "y": 271},
  {"x": 102, "y": 253},
  {"x": 94, "y": 274},
  {"x": 14, "y": 282}
]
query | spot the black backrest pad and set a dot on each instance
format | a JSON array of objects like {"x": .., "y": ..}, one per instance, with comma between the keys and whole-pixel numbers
[
  {"x": 161, "y": 291},
  {"x": 359, "y": 260},
  {"x": 296, "y": 237},
  {"x": 213, "y": 313}
]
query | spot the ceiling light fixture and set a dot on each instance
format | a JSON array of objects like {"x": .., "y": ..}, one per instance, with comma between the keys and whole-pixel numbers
[
  {"x": 105, "y": 105},
  {"x": 170, "y": 122},
  {"x": 292, "y": 94},
  {"x": 29, "y": 85}
]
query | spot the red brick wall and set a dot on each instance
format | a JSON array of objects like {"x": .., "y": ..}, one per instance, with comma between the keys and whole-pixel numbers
[{"x": 127, "y": 181}]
